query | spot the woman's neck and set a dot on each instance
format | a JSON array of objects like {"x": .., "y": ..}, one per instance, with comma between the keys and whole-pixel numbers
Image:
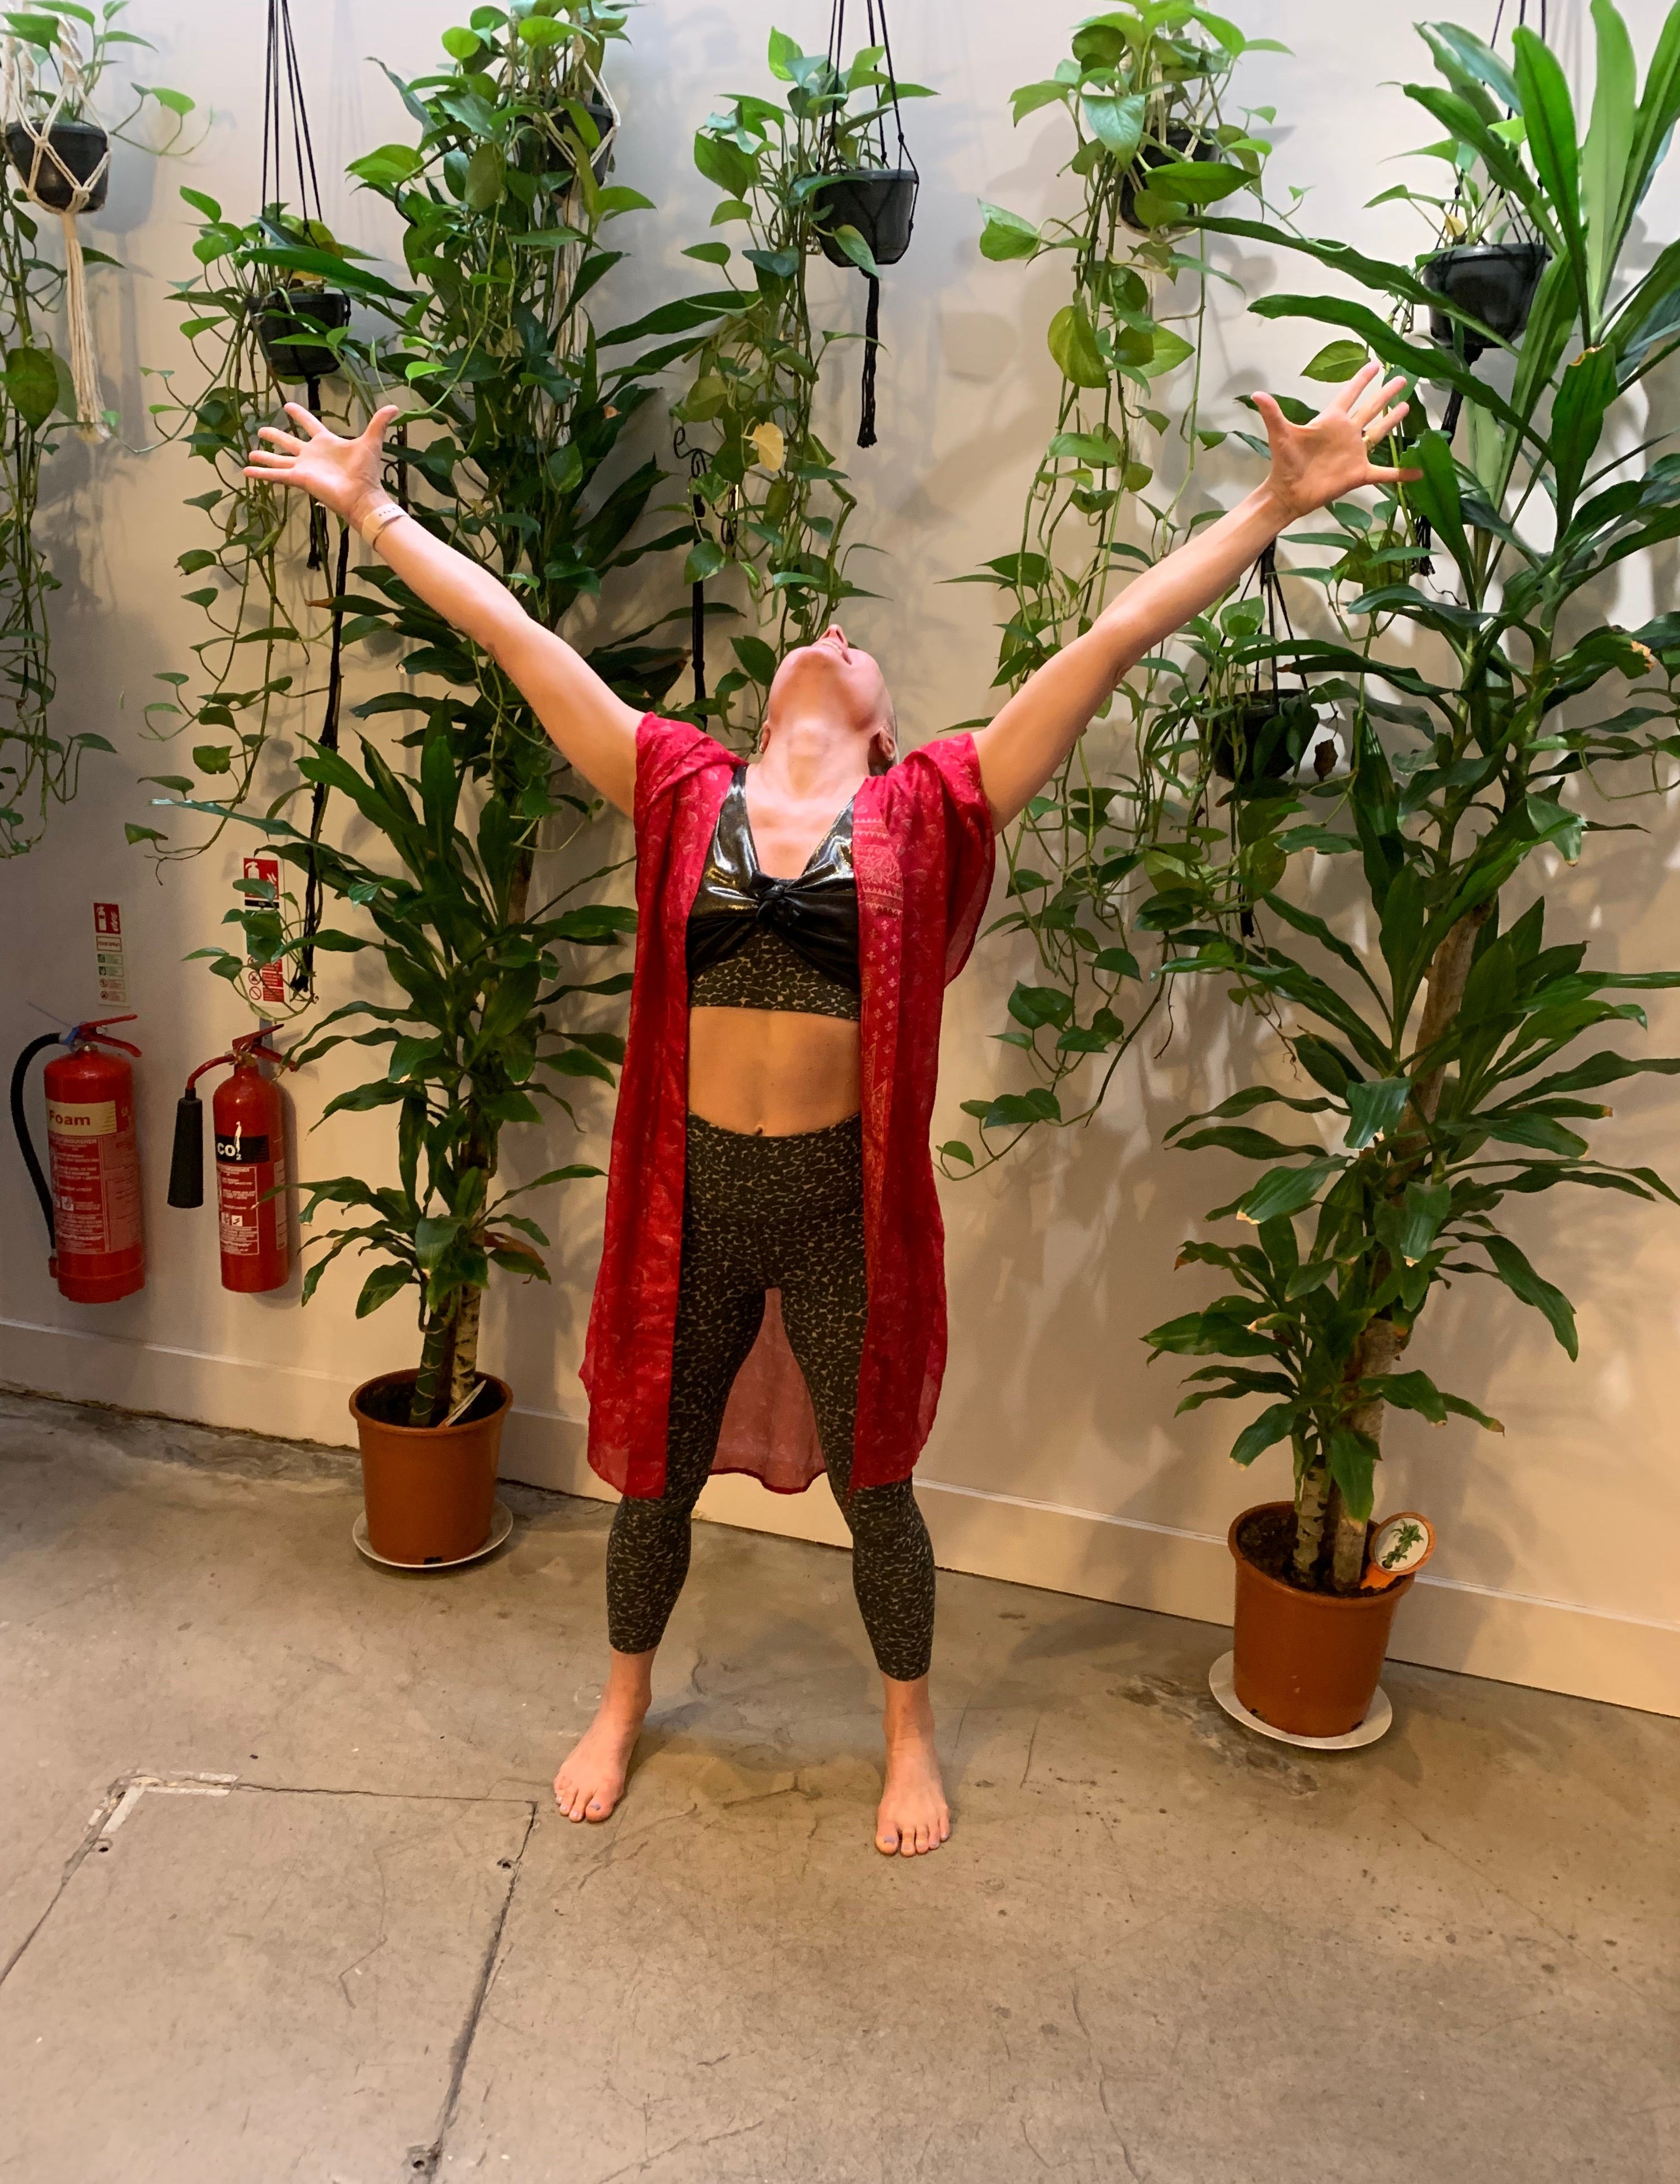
[{"x": 809, "y": 761}]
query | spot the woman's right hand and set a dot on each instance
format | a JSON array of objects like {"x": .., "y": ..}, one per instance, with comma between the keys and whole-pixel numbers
[{"x": 342, "y": 474}]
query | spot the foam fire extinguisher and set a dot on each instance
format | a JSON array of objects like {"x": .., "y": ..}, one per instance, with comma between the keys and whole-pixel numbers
[
  {"x": 248, "y": 1116},
  {"x": 92, "y": 1208}
]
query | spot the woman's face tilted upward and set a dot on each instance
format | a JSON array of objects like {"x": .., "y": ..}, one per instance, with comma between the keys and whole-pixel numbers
[{"x": 834, "y": 682}]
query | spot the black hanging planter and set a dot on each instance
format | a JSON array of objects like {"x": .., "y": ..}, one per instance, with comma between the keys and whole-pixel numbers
[
  {"x": 1181, "y": 143},
  {"x": 606, "y": 121},
  {"x": 878, "y": 202},
  {"x": 79, "y": 145},
  {"x": 289, "y": 322},
  {"x": 877, "y": 196},
  {"x": 1262, "y": 736},
  {"x": 1494, "y": 281}
]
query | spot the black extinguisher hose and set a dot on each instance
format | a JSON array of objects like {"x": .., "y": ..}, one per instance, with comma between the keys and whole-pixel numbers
[{"x": 20, "y": 1126}]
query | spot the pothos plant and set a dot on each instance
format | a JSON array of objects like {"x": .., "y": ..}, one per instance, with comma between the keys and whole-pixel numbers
[
  {"x": 504, "y": 199},
  {"x": 769, "y": 503},
  {"x": 1438, "y": 1025},
  {"x": 38, "y": 405},
  {"x": 1142, "y": 94}
]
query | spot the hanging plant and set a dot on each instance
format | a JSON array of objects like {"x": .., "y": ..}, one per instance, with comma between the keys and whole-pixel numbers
[
  {"x": 770, "y": 504},
  {"x": 267, "y": 317},
  {"x": 58, "y": 159},
  {"x": 1121, "y": 840},
  {"x": 1440, "y": 1066},
  {"x": 864, "y": 205}
]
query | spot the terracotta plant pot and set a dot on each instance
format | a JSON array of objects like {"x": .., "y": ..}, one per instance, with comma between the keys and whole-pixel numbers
[
  {"x": 81, "y": 145},
  {"x": 1307, "y": 1661},
  {"x": 289, "y": 322},
  {"x": 429, "y": 1491}
]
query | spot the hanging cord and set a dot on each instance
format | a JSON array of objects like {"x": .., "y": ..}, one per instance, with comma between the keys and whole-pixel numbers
[
  {"x": 303, "y": 975},
  {"x": 871, "y": 344},
  {"x": 281, "y": 63},
  {"x": 18, "y": 94}
]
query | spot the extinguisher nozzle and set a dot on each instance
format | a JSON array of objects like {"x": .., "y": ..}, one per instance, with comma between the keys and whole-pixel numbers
[{"x": 187, "y": 1160}]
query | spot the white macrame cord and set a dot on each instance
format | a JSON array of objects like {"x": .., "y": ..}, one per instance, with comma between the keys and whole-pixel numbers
[{"x": 17, "y": 98}]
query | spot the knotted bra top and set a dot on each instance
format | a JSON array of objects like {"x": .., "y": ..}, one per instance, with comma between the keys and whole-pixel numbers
[{"x": 758, "y": 943}]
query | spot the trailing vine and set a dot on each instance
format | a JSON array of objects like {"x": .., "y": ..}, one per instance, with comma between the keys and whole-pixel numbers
[{"x": 1142, "y": 91}]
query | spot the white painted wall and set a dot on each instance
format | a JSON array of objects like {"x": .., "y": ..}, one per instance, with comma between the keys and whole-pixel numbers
[{"x": 1057, "y": 1458}]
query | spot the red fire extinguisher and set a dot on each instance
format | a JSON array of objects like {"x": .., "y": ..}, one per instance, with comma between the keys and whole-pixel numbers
[
  {"x": 248, "y": 1116},
  {"x": 92, "y": 1208}
]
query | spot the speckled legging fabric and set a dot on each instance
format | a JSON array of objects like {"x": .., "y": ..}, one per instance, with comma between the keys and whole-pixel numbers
[{"x": 762, "y": 1213}]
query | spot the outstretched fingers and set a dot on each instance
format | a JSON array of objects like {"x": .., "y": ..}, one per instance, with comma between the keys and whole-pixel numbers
[
  {"x": 380, "y": 423},
  {"x": 1374, "y": 400},
  {"x": 1355, "y": 389},
  {"x": 310, "y": 424},
  {"x": 1390, "y": 421}
]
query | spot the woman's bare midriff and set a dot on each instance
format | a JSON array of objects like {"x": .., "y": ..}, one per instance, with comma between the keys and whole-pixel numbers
[{"x": 772, "y": 1073}]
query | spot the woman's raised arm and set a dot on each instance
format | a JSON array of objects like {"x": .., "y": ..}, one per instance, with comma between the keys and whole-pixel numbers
[
  {"x": 594, "y": 729},
  {"x": 1312, "y": 464}
]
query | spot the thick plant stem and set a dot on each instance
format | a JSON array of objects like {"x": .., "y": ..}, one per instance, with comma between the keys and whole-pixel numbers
[
  {"x": 1449, "y": 968},
  {"x": 464, "y": 1372},
  {"x": 434, "y": 1370},
  {"x": 1310, "y": 1498},
  {"x": 1374, "y": 1354}
]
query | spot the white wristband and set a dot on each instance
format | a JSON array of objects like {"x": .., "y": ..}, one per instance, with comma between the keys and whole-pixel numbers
[{"x": 381, "y": 519}]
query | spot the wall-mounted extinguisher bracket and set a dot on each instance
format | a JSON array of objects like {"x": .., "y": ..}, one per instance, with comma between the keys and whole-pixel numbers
[
  {"x": 248, "y": 1117},
  {"x": 91, "y": 1205}
]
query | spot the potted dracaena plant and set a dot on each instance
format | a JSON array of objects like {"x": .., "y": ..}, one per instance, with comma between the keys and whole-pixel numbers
[
  {"x": 503, "y": 208},
  {"x": 1101, "y": 502},
  {"x": 58, "y": 158},
  {"x": 769, "y": 504},
  {"x": 1443, "y": 1052}
]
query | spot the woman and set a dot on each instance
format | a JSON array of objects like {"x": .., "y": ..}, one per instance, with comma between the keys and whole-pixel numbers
[{"x": 772, "y": 1289}]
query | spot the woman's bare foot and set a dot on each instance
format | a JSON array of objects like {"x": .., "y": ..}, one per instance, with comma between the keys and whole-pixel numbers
[
  {"x": 913, "y": 1815},
  {"x": 591, "y": 1781}
]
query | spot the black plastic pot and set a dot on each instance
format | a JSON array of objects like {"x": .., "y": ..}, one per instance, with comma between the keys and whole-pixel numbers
[
  {"x": 1494, "y": 281},
  {"x": 81, "y": 145},
  {"x": 879, "y": 201},
  {"x": 601, "y": 115},
  {"x": 1181, "y": 143},
  {"x": 288, "y": 318},
  {"x": 1262, "y": 736}
]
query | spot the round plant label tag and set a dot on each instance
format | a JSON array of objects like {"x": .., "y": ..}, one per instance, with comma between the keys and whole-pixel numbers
[{"x": 1399, "y": 1546}]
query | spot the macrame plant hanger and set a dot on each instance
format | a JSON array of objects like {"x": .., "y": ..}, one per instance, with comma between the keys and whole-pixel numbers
[
  {"x": 285, "y": 115},
  {"x": 18, "y": 98},
  {"x": 875, "y": 12}
]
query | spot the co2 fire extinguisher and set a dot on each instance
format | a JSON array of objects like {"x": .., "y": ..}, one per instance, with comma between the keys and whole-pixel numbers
[
  {"x": 93, "y": 1209},
  {"x": 248, "y": 1116}
]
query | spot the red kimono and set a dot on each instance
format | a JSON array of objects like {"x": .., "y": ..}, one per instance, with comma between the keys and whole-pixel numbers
[{"x": 922, "y": 852}]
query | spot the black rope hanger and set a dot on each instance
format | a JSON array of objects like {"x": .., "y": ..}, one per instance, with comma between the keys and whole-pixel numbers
[{"x": 879, "y": 201}]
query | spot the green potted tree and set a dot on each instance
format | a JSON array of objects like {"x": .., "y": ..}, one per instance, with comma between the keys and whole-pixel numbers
[{"x": 1445, "y": 1051}]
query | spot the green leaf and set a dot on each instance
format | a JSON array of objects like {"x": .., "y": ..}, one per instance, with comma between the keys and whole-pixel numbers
[
  {"x": 1073, "y": 344},
  {"x": 705, "y": 557},
  {"x": 1550, "y": 114},
  {"x": 1117, "y": 122},
  {"x": 1005, "y": 234},
  {"x": 1169, "y": 351},
  {"x": 725, "y": 164},
  {"x": 1520, "y": 1278},
  {"x": 1353, "y": 1466},
  {"x": 1578, "y": 407},
  {"x": 486, "y": 170},
  {"x": 1337, "y": 360},
  {"x": 31, "y": 382},
  {"x": 1286, "y": 1190},
  {"x": 1374, "y": 1107},
  {"x": 954, "y": 1148},
  {"x": 852, "y": 242},
  {"x": 544, "y": 31},
  {"x": 1274, "y": 1424},
  {"x": 212, "y": 758},
  {"x": 1609, "y": 139},
  {"x": 460, "y": 45},
  {"x": 381, "y": 1286}
]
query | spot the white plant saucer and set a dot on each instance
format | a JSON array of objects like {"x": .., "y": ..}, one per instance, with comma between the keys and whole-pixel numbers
[
  {"x": 1376, "y": 1723},
  {"x": 500, "y": 1525}
]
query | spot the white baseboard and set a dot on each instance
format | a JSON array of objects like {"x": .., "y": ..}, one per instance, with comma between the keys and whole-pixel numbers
[{"x": 1556, "y": 1646}]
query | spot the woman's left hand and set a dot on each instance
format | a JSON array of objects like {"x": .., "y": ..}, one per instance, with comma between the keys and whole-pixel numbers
[{"x": 1315, "y": 464}]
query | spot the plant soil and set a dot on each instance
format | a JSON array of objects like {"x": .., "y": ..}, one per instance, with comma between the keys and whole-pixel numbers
[
  {"x": 1267, "y": 1540},
  {"x": 389, "y": 1405}
]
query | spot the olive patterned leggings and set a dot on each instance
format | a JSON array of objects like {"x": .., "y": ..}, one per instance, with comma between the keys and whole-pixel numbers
[{"x": 762, "y": 1213}]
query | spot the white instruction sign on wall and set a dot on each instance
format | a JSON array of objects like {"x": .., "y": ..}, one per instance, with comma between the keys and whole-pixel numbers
[
  {"x": 110, "y": 964},
  {"x": 263, "y": 982}
]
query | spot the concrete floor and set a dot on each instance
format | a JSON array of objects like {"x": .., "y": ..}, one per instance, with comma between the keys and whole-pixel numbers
[{"x": 1156, "y": 1947}]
